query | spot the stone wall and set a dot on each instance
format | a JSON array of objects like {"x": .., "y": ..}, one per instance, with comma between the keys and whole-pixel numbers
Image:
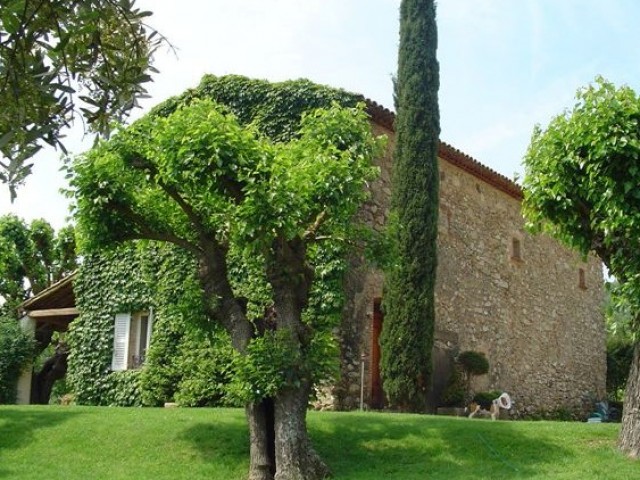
[{"x": 532, "y": 306}]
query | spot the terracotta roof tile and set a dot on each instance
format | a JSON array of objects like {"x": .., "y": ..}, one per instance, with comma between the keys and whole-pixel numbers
[{"x": 385, "y": 118}]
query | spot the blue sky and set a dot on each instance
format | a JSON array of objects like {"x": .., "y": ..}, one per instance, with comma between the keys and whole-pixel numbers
[{"x": 505, "y": 64}]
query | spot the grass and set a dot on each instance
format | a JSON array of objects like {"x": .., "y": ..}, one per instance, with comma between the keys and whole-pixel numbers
[{"x": 117, "y": 443}]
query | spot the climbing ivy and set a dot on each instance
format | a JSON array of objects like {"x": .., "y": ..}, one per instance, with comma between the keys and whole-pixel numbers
[
  {"x": 275, "y": 109},
  {"x": 135, "y": 277},
  {"x": 109, "y": 283},
  {"x": 190, "y": 360}
]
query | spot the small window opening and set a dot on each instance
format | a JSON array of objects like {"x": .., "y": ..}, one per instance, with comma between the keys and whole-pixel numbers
[
  {"x": 582, "y": 282},
  {"x": 516, "y": 250}
]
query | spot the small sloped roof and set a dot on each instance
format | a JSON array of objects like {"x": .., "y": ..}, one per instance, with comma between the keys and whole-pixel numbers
[{"x": 58, "y": 295}]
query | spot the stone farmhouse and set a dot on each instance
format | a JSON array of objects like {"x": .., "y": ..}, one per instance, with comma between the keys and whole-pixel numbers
[{"x": 533, "y": 307}]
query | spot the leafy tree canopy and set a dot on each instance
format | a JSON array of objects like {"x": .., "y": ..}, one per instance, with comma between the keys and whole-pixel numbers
[
  {"x": 155, "y": 178},
  {"x": 32, "y": 257},
  {"x": 581, "y": 186},
  {"x": 582, "y": 177},
  {"x": 191, "y": 175},
  {"x": 64, "y": 58}
]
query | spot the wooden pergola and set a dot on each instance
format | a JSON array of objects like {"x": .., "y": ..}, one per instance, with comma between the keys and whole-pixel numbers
[
  {"x": 55, "y": 306},
  {"x": 51, "y": 310}
]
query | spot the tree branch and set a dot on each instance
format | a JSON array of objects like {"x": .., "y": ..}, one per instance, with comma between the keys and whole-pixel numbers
[
  {"x": 146, "y": 232},
  {"x": 311, "y": 232},
  {"x": 140, "y": 162}
]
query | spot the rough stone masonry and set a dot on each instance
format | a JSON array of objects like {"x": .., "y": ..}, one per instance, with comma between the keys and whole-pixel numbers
[{"x": 532, "y": 306}]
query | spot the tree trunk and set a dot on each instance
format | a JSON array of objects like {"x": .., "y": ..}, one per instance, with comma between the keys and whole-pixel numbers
[
  {"x": 262, "y": 437},
  {"x": 291, "y": 278},
  {"x": 295, "y": 457},
  {"x": 54, "y": 368},
  {"x": 280, "y": 447},
  {"x": 629, "y": 441}
]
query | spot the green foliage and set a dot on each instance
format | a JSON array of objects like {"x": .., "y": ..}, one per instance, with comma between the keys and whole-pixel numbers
[
  {"x": 189, "y": 361},
  {"x": 192, "y": 175},
  {"x": 272, "y": 362},
  {"x": 275, "y": 109},
  {"x": 182, "y": 364},
  {"x": 473, "y": 363},
  {"x": 123, "y": 389},
  {"x": 16, "y": 350},
  {"x": 617, "y": 314},
  {"x": 486, "y": 397},
  {"x": 581, "y": 180},
  {"x": 467, "y": 364},
  {"x": 409, "y": 304},
  {"x": 32, "y": 257},
  {"x": 619, "y": 357},
  {"x": 455, "y": 393},
  {"x": 207, "y": 369},
  {"x": 60, "y": 58},
  {"x": 621, "y": 338},
  {"x": 110, "y": 283}
]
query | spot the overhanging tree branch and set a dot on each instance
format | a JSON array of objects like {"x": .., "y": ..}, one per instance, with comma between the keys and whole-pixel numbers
[{"x": 147, "y": 233}]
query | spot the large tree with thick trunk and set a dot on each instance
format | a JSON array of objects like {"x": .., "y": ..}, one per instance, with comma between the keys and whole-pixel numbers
[
  {"x": 409, "y": 302},
  {"x": 190, "y": 175},
  {"x": 581, "y": 186}
]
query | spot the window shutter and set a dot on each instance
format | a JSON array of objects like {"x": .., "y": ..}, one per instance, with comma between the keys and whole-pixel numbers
[
  {"x": 121, "y": 341},
  {"x": 149, "y": 327}
]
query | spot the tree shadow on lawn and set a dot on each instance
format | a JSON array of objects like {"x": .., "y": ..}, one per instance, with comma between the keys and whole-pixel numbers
[
  {"x": 18, "y": 426},
  {"x": 397, "y": 447},
  {"x": 224, "y": 440},
  {"x": 406, "y": 447}
]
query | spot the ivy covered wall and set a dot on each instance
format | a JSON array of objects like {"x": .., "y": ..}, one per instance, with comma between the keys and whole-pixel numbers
[{"x": 188, "y": 360}]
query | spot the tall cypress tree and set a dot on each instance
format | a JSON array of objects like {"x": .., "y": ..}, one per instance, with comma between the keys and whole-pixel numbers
[{"x": 407, "y": 335}]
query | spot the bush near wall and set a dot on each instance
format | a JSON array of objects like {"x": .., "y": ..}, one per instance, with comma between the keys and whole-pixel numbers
[{"x": 16, "y": 350}]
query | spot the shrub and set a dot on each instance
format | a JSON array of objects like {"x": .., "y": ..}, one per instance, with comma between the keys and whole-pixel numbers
[
  {"x": 124, "y": 389},
  {"x": 455, "y": 393},
  {"x": 16, "y": 350},
  {"x": 619, "y": 356},
  {"x": 206, "y": 364},
  {"x": 486, "y": 397},
  {"x": 473, "y": 363}
]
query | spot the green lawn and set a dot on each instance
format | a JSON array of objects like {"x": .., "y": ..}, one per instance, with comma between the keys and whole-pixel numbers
[{"x": 117, "y": 443}]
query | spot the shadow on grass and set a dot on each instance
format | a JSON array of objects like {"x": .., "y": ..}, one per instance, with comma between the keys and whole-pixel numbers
[
  {"x": 223, "y": 440},
  {"x": 405, "y": 447},
  {"x": 18, "y": 426},
  {"x": 399, "y": 447}
]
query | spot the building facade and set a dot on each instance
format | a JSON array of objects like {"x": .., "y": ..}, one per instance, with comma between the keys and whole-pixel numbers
[{"x": 531, "y": 305}]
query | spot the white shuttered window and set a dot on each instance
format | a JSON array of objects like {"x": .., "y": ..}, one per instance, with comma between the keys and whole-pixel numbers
[
  {"x": 131, "y": 339},
  {"x": 122, "y": 326}
]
